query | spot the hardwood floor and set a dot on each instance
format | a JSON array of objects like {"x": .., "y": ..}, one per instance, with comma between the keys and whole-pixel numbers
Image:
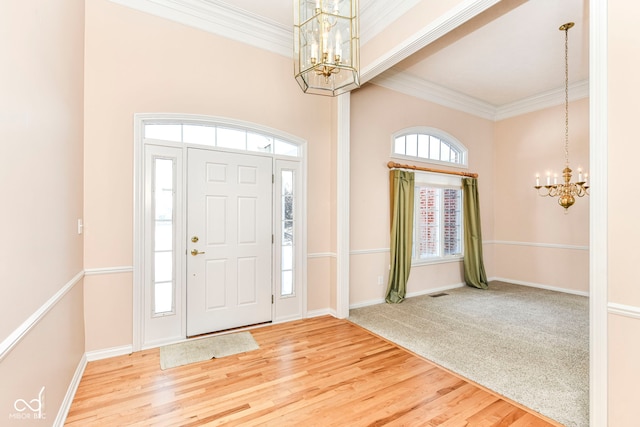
[{"x": 314, "y": 372}]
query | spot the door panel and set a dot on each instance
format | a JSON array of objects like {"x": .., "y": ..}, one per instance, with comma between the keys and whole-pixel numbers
[{"x": 229, "y": 210}]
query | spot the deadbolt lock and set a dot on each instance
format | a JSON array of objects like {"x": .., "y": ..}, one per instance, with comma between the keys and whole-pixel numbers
[{"x": 195, "y": 239}]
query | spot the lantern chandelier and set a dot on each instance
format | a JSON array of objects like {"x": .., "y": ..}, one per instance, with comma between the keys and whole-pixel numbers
[
  {"x": 326, "y": 46},
  {"x": 567, "y": 191}
]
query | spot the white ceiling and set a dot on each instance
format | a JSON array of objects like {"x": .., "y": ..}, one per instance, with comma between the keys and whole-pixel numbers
[
  {"x": 509, "y": 53},
  {"x": 505, "y": 61}
]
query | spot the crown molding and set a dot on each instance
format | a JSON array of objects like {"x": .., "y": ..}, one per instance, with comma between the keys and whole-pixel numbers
[
  {"x": 428, "y": 91},
  {"x": 220, "y": 18},
  {"x": 423, "y": 89},
  {"x": 578, "y": 90}
]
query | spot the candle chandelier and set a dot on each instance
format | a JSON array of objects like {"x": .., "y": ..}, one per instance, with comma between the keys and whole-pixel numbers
[
  {"x": 566, "y": 191},
  {"x": 326, "y": 46}
]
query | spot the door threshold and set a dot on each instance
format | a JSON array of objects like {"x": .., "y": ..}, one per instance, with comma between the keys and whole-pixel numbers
[{"x": 230, "y": 330}]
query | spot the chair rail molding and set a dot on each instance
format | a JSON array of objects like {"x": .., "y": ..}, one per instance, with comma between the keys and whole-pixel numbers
[
  {"x": 539, "y": 245},
  {"x": 108, "y": 270},
  {"x": 624, "y": 310},
  {"x": 21, "y": 331}
]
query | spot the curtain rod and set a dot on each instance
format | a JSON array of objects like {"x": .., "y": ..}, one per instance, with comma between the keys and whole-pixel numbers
[{"x": 392, "y": 165}]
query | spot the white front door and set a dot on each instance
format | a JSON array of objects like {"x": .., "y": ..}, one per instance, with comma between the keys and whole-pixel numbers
[{"x": 229, "y": 240}]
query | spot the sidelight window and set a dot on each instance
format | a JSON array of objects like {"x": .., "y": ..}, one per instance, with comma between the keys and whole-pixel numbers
[
  {"x": 163, "y": 236},
  {"x": 287, "y": 239}
]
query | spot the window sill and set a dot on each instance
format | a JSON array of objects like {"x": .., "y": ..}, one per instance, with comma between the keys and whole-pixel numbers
[{"x": 447, "y": 260}]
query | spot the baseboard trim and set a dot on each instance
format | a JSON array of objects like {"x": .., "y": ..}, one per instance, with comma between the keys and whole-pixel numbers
[
  {"x": 630, "y": 313},
  {"x": 624, "y": 310},
  {"x": 435, "y": 290},
  {"x": 540, "y": 286},
  {"x": 21, "y": 331},
  {"x": 366, "y": 303},
  {"x": 286, "y": 319},
  {"x": 409, "y": 295},
  {"x": 109, "y": 352},
  {"x": 160, "y": 343},
  {"x": 71, "y": 393},
  {"x": 319, "y": 313}
]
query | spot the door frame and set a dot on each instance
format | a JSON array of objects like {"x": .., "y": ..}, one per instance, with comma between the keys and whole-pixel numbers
[{"x": 141, "y": 207}]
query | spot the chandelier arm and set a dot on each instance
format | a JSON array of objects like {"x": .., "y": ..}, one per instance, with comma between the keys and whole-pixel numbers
[{"x": 543, "y": 194}]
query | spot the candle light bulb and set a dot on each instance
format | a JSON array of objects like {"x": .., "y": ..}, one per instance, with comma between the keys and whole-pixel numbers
[
  {"x": 325, "y": 37},
  {"x": 537, "y": 180}
]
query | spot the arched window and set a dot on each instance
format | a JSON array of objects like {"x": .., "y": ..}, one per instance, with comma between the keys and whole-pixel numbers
[
  {"x": 428, "y": 145},
  {"x": 224, "y": 135}
]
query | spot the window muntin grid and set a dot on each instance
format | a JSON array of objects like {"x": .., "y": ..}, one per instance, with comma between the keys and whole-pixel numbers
[
  {"x": 437, "y": 223},
  {"x": 287, "y": 287},
  {"x": 429, "y": 145},
  {"x": 163, "y": 260},
  {"x": 221, "y": 136}
]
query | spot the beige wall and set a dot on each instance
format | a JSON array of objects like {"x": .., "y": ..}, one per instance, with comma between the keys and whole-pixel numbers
[
  {"x": 151, "y": 65},
  {"x": 133, "y": 69},
  {"x": 48, "y": 357},
  {"x": 41, "y": 121},
  {"x": 623, "y": 225},
  {"x": 370, "y": 152},
  {"x": 528, "y": 239},
  {"x": 536, "y": 242}
]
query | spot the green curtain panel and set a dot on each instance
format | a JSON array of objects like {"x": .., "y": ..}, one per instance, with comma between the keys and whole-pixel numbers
[
  {"x": 474, "y": 274},
  {"x": 401, "y": 185}
]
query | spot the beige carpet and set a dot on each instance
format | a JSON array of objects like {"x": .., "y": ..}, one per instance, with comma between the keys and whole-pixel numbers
[
  {"x": 199, "y": 349},
  {"x": 530, "y": 345}
]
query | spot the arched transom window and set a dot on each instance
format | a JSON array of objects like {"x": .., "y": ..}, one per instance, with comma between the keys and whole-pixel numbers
[
  {"x": 220, "y": 135},
  {"x": 428, "y": 145}
]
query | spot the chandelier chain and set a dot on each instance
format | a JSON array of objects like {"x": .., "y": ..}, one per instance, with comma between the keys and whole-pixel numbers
[{"x": 566, "y": 95}]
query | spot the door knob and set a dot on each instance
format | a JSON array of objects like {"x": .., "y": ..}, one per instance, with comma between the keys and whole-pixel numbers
[{"x": 195, "y": 252}]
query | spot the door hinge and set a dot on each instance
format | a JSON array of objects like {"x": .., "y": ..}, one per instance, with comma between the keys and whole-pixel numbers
[
  {"x": 273, "y": 239},
  {"x": 273, "y": 178},
  {"x": 272, "y": 299}
]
